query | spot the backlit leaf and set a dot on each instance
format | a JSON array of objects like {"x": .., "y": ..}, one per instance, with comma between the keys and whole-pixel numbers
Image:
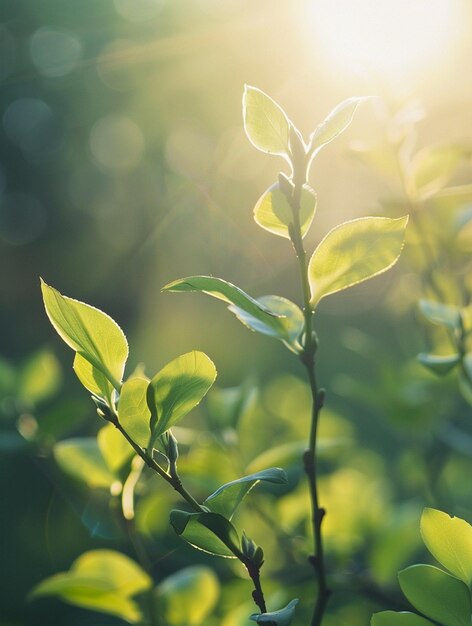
[
  {"x": 353, "y": 252},
  {"x": 114, "y": 448},
  {"x": 82, "y": 459},
  {"x": 336, "y": 122},
  {"x": 436, "y": 594},
  {"x": 178, "y": 388},
  {"x": 273, "y": 212},
  {"x": 265, "y": 123},
  {"x": 449, "y": 539},
  {"x": 187, "y": 597},
  {"x": 227, "y": 498},
  {"x": 88, "y": 331},
  {"x": 92, "y": 378},
  {"x": 133, "y": 411},
  {"x": 209, "y": 532}
]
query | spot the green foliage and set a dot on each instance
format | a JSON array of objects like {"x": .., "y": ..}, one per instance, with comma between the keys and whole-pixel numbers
[
  {"x": 101, "y": 580},
  {"x": 336, "y": 123},
  {"x": 274, "y": 213},
  {"x": 353, "y": 252},
  {"x": 207, "y": 531},
  {"x": 265, "y": 123}
]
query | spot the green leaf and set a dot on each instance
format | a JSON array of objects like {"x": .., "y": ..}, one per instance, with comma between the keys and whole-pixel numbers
[
  {"x": 353, "y": 252},
  {"x": 404, "y": 618},
  {"x": 178, "y": 388},
  {"x": 133, "y": 411},
  {"x": 287, "y": 328},
  {"x": 282, "y": 617},
  {"x": 40, "y": 378},
  {"x": 100, "y": 580},
  {"x": 188, "y": 597},
  {"x": 432, "y": 167},
  {"x": 82, "y": 459},
  {"x": 92, "y": 378},
  {"x": 222, "y": 290},
  {"x": 441, "y": 365},
  {"x": 441, "y": 314},
  {"x": 209, "y": 532},
  {"x": 437, "y": 595},
  {"x": 227, "y": 498},
  {"x": 273, "y": 212},
  {"x": 449, "y": 539},
  {"x": 114, "y": 448},
  {"x": 336, "y": 123},
  {"x": 88, "y": 331},
  {"x": 265, "y": 123}
]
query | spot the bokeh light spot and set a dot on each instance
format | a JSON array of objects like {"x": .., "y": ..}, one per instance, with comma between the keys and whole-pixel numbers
[
  {"x": 55, "y": 53},
  {"x": 139, "y": 10},
  {"x": 116, "y": 142}
]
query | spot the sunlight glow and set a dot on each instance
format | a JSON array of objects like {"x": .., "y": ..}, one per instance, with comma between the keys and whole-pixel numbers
[{"x": 394, "y": 37}]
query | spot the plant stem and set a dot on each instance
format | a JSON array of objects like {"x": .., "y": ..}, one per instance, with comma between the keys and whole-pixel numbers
[{"x": 309, "y": 459}]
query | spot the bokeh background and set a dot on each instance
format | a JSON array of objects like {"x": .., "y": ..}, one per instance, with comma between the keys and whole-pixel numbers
[{"x": 124, "y": 165}]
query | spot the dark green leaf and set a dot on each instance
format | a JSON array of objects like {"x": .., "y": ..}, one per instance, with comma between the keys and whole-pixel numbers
[
  {"x": 209, "y": 532},
  {"x": 404, "y": 618}
]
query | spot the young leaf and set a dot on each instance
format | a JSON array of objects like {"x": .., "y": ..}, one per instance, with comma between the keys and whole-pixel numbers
[
  {"x": 227, "y": 498},
  {"x": 265, "y": 123},
  {"x": 92, "y": 378},
  {"x": 114, "y": 448},
  {"x": 336, "y": 123},
  {"x": 282, "y": 617},
  {"x": 441, "y": 365},
  {"x": 273, "y": 212},
  {"x": 133, "y": 411},
  {"x": 187, "y": 597},
  {"x": 353, "y": 252},
  {"x": 177, "y": 389},
  {"x": 88, "y": 331},
  {"x": 82, "y": 459},
  {"x": 209, "y": 532},
  {"x": 287, "y": 328},
  {"x": 437, "y": 595},
  {"x": 449, "y": 539},
  {"x": 441, "y": 314},
  {"x": 432, "y": 167},
  {"x": 404, "y": 618}
]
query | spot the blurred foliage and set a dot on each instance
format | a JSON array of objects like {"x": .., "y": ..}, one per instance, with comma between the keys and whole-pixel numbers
[{"x": 123, "y": 164}]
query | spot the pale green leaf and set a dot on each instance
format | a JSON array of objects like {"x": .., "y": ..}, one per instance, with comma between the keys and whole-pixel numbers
[
  {"x": 227, "y": 498},
  {"x": 336, "y": 123},
  {"x": 288, "y": 328},
  {"x": 273, "y": 212},
  {"x": 88, "y": 331},
  {"x": 403, "y": 618},
  {"x": 432, "y": 167},
  {"x": 442, "y": 314},
  {"x": 449, "y": 539},
  {"x": 441, "y": 365},
  {"x": 436, "y": 594},
  {"x": 178, "y": 388},
  {"x": 114, "y": 448},
  {"x": 188, "y": 597},
  {"x": 209, "y": 532},
  {"x": 133, "y": 411},
  {"x": 40, "y": 378},
  {"x": 92, "y": 378},
  {"x": 82, "y": 459},
  {"x": 353, "y": 252},
  {"x": 282, "y": 617},
  {"x": 265, "y": 123}
]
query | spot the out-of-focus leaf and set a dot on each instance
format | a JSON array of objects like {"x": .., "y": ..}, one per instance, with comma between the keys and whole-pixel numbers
[
  {"x": 432, "y": 167},
  {"x": 436, "y": 594},
  {"x": 265, "y": 123},
  {"x": 441, "y": 365},
  {"x": 449, "y": 539},
  {"x": 178, "y": 388},
  {"x": 403, "y": 618},
  {"x": 287, "y": 328},
  {"x": 82, "y": 459},
  {"x": 284, "y": 454},
  {"x": 273, "y": 212},
  {"x": 336, "y": 122},
  {"x": 282, "y": 617},
  {"x": 92, "y": 378},
  {"x": 209, "y": 532},
  {"x": 100, "y": 580},
  {"x": 442, "y": 314},
  {"x": 187, "y": 597},
  {"x": 40, "y": 378},
  {"x": 227, "y": 498},
  {"x": 88, "y": 331},
  {"x": 353, "y": 252},
  {"x": 133, "y": 411},
  {"x": 114, "y": 448}
]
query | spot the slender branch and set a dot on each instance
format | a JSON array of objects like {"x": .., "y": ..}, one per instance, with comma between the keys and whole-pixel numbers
[{"x": 308, "y": 359}]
